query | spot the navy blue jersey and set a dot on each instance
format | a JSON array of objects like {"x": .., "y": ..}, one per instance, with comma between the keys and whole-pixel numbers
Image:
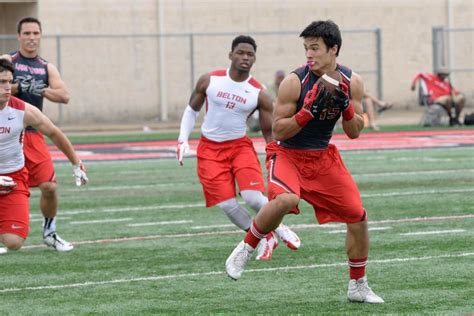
[
  {"x": 318, "y": 132},
  {"x": 30, "y": 68}
]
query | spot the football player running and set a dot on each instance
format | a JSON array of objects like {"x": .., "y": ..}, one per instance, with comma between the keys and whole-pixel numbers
[
  {"x": 15, "y": 115},
  {"x": 304, "y": 165},
  {"x": 34, "y": 80},
  {"x": 225, "y": 154}
]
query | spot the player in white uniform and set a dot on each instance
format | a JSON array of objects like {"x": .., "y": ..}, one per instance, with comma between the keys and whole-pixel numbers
[
  {"x": 225, "y": 153},
  {"x": 15, "y": 115}
]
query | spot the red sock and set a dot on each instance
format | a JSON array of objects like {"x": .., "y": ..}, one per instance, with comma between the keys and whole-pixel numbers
[
  {"x": 254, "y": 235},
  {"x": 357, "y": 268}
]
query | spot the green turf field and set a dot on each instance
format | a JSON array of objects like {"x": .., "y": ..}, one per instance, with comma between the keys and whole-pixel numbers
[{"x": 145, "y": 244}]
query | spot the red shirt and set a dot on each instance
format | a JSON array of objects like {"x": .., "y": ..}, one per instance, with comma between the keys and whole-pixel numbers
[{"x": 436, "y": 86}]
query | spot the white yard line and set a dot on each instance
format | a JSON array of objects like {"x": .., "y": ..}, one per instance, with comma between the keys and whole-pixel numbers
[
  {"x": 421, "y": 192},
  {"x": 237, "y": 231},
  {"x": 370, "y": 229},
  {"x": 195, "y": 183},
  {"x": 102, "y": 221},
  {"x": 215, "y": 273},
  {"x": 213, "y": 226},
  {"x": 434, "y": 232},
  {"x": 201, "y": 205},
  {"x": 412, "y": 173},
  {"x": 160, "y": 223}
]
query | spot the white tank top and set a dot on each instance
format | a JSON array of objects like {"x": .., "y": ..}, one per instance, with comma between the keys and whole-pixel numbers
[
  {"x": 11, "y": 136},
  {"x": 228, "y": 105}
]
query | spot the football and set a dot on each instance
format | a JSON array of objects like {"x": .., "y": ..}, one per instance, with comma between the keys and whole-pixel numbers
[{"x": 330, "y": 81}]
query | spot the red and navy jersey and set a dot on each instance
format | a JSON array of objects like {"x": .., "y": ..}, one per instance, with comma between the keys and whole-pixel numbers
[
  {"x": 318, "y": 132},
  {"x": 30, "y": 69}
]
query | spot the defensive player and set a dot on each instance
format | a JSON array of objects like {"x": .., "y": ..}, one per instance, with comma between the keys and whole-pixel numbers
[
  {"x": 225, "y": 153},
  {"x": 34, "y": 80},
  {"x": 15, "y": 115},
  {"x": 303, "y": 165}
]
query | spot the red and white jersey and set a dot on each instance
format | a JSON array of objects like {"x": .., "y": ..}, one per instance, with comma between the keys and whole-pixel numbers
[
  {"x": 11, "y": 136},
  {"x": 228, "y": 105}
]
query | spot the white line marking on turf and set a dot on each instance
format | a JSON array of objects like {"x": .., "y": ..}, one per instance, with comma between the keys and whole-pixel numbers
[
  {"x": 213, "y": 273},
  {"x": 411, "y": 173},
  {"x": 200, "y": 205},
  {"x": 370, "y": 229},
  {"x": 434, "y": 232},
  {"x": 229, "y": 232},
  {"x": 213, "y": 226},
  {"x": 160, "y": 223},
  {"x": 367, "y": 195},
  {"x": 114, "y": 220}
]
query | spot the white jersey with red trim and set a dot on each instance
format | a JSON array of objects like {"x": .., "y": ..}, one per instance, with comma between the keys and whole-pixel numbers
[
  {"x": 11, "y": 136},
  {"x": 228, "y": 105}
]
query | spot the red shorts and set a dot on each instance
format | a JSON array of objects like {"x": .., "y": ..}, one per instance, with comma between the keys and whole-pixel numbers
[
  {"x": 14, "y": 206},
  {"x": 37, "y": 159},
  {"x": 219, "y": 165},
  {"x": 317, "y": 176}
]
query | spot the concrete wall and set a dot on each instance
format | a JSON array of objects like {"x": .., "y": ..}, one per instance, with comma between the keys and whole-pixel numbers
[{"x": 116, "y": 80}]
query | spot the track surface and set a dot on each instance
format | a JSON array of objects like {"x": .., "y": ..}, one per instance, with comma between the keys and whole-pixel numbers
[{"x": 369, "y": 141}]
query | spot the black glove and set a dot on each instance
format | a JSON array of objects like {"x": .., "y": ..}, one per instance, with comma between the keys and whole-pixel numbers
[
  {"x": 316, "y": 100},
  {"x": 341, "y": 100}
]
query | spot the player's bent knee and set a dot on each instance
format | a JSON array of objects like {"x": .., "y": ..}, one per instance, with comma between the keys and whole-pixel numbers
[
  {"x": 286, "y": 202},
  {"x": 12, "y": 242}
]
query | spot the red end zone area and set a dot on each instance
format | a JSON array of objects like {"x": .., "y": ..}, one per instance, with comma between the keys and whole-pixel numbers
[{"x": 368, "y": 141}]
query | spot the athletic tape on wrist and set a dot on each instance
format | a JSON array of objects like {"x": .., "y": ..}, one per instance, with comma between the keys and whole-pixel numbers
[
  {"x": 303, "y": 117},
  {"x": 348, "y": 114}
]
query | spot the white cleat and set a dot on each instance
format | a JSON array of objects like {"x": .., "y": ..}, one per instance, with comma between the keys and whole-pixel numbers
[
  {"x": 266, "y": 246},
  {"x": 53, "y": 240},
  {"x": 359, "y": 291},
  {"x": 235, "y": 264},
  {"x": 288, "y": 236},
  {"x": 3, "y": 250}
]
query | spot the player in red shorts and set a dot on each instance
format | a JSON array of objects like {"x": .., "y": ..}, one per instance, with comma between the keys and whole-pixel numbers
[
  {"x": 36, "y": 79},
  {"x": 15, "y": 115},
  {"x": 225, "y": 154},
  {"x": 303, "y": 165}
]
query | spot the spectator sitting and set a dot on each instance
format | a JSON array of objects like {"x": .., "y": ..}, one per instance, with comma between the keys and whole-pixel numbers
[
  {"x": 370, "y": 104},
  {"x": 440, "y": 91}
]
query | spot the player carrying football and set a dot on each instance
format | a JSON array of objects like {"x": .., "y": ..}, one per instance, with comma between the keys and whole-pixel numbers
[
  {"x": 302, "y": 164},
  {"x": 225, "y": 154},
  {"x": 15, "y": 115}
]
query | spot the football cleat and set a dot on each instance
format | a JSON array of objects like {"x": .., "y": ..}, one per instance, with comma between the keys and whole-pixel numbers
[
  {"x": 359, "y": 291},
  {"x": 235, "y": 264},
  {"x": 56, "y": 242},
  {"x": 3, "y": 250},
  {"x": 266, "y": 246},
  {"x": 288, "y": 236}
]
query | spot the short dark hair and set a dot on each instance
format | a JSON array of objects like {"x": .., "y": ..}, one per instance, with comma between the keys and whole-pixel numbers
[
  {"x": 6, "y": 65},
  {"x": 28, "y": 19},
  {"x": 327, "y": 30},
  {"x": 244, "y": 39}
]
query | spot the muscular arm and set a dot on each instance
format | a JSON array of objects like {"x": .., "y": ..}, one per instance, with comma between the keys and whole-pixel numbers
[
  {"x": 34, "y": 117},
  {"x": 198, "y": 96},
  {"x": 265, "y": 108},
  {"x": 57, "y": 90},
  {"x": 284, "y": 123},
  {"x": 353, "y": 127}
]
